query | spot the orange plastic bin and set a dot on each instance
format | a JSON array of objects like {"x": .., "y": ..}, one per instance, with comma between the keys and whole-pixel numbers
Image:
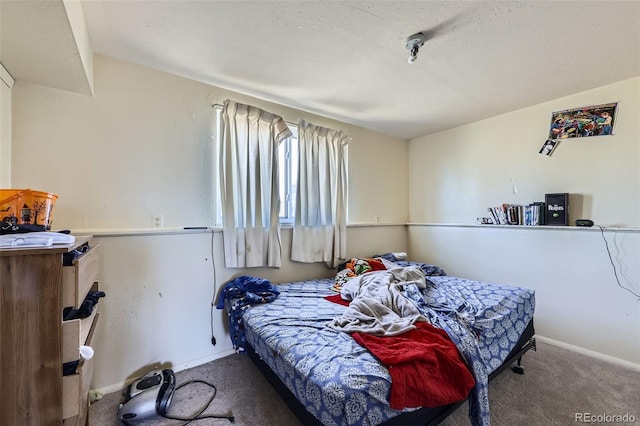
[{"x": 27, "y": 207}]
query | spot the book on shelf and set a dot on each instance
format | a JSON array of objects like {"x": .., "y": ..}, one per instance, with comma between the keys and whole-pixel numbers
[
  {"x": 540, "y": 212},
  {"x": 517, "y": 214}
]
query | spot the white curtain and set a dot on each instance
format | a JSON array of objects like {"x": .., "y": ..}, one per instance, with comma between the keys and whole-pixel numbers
[
  {"x": 319, "y": 232},
  {"x": 249, "y": 185}
]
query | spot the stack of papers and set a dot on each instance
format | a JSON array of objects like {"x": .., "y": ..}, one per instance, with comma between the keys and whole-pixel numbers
[{"x": 35, "y": 239}]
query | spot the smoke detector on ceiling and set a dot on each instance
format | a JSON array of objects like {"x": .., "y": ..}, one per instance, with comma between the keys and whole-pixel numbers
[{"x": 414, "y": 42}]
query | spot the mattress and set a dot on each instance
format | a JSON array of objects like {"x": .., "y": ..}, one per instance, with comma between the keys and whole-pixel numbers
[{"x": 341, "y": 383}]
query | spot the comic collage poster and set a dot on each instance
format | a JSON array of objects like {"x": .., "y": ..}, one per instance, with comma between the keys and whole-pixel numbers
[{"x": 596, "y": 120}]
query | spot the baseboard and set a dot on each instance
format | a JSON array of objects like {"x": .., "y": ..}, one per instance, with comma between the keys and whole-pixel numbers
[
  {"x": 117, "y": 387},
  {"x": 204, "y": 360},
  {"x": 588, "y": 352}
]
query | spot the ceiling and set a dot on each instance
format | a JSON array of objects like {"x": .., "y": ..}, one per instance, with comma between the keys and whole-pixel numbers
[{"x": 347, "y": 59}]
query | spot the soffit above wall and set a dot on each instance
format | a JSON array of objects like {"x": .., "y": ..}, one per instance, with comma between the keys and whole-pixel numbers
[
  {"x": 41, "y": 43},
  {"x": 6, "y": 77}
]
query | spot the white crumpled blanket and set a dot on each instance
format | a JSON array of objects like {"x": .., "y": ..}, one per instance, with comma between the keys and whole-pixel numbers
[{"x": 377, "y": 305}]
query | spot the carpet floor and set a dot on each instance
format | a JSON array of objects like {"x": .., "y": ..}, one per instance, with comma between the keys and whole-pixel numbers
[{"x": 559, "y": 387}]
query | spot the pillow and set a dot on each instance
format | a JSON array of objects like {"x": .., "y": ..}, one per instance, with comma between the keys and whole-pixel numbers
[
  {"x": 428, "y": 269},
  {"x": 354, "y": 267}
]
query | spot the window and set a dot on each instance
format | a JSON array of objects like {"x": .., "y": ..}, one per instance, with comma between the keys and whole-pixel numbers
[{"x": 288, "y": 163}]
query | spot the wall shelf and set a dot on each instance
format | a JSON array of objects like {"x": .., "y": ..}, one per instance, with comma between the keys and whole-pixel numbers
[
  {"x": 106, "y": 232},
  {"x": 216, "y": 229},
  {"x": 538, "y": 227}
]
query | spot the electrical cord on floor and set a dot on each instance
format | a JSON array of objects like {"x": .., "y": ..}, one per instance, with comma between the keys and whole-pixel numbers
[
  {"x": 215, "y": 287},
  {"x": 199, "y": 416},
  {"x": 615, "y": 272}
]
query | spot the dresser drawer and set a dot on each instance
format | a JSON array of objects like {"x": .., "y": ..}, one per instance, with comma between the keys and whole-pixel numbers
[
  {"x": 75, "y": 333},
  {"x": 75, "y": 388},
  {"x": 78, "y": 278}
]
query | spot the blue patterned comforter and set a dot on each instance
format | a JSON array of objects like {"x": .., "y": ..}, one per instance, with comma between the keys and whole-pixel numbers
[{"x": 341, "y": 383}]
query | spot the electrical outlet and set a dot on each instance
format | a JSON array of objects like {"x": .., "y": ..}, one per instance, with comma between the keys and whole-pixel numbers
[{"x": 156, "y": 221}]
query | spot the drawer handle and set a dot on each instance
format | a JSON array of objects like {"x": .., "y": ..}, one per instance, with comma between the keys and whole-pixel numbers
[
  {"x": 69, "y": 257},
  {"x": 85, "y": 310},
  {"x": 86, "y": 352}
]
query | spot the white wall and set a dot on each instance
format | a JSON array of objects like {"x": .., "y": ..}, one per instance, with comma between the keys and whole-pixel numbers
[
  {"x": 455, "y": 175},
  {"x": 142, "y": 145},
  {"x": 578, "y": 300},
  {"x": 6, "y": 83}
]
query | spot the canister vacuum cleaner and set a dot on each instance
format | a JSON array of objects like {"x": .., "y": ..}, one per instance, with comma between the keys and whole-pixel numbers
[{"x": 151, "y": 396}]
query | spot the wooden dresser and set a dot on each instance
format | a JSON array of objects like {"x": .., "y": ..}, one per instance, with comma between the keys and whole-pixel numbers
[{"x": 35, "y": 287}]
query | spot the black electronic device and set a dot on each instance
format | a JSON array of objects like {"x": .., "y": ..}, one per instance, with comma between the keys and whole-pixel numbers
[
  {"x": 584, "y": 222},
  {"x": 148, "y": 396},
  {"x": 557, "y": 209}
]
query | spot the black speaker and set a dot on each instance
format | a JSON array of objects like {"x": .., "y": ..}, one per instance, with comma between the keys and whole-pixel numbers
[
  {"x": 557, "y": 209},
  {"x": 584, "y": 222}
]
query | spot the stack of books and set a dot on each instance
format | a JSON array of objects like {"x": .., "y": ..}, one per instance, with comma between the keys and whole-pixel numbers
[{"x": 517, "y": 214}]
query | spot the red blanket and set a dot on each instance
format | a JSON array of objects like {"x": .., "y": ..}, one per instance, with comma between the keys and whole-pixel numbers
[
  {"x": 425, "y": 366},
  {"x": 337, "y": 298}
]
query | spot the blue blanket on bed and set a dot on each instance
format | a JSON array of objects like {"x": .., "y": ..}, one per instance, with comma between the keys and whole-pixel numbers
[
  {"x": 238, "y": 295},
  {"x": 456, "y": 317}
]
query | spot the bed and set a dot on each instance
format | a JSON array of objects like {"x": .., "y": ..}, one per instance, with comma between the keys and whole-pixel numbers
[{"x": 327, "y": 378}]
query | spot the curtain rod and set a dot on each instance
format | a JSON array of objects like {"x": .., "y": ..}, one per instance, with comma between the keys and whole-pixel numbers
[{"x": 218, "y": 107}]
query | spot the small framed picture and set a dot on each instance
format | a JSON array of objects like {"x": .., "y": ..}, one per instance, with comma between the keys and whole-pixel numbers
[{"x": 548, "y": 147}]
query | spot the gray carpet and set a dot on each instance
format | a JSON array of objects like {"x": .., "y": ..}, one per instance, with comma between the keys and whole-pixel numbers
[{"x": 556, "y": 385}]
